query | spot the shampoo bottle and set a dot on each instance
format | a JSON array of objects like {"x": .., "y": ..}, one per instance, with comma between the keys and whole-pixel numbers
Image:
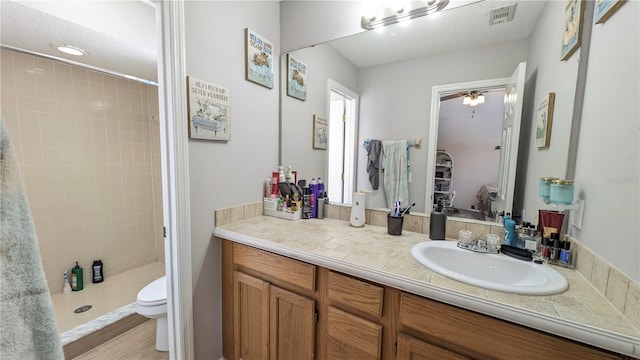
[
  {"x": 76, "y": 278},
  {"x": 97, "y": 271},
  {"x": 313, "y": 186},
  {"x": 438, "y": 223}
]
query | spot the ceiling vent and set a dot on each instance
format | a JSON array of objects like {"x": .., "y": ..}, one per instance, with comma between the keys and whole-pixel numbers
[{"x": 502, "y": 14}]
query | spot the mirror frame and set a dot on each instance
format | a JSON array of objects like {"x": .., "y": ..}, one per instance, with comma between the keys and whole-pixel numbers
[{"x": 436, "y": 93}]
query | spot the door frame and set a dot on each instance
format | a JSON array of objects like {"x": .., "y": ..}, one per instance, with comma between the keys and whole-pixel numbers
[
  {"x": 437, "y": 92},
  {"x": 175, "y": 176},
  {"x": 333, "y": 85}
]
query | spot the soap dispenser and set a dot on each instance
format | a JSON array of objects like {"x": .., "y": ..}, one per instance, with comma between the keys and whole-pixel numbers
[{"x": 438, "y": 223}]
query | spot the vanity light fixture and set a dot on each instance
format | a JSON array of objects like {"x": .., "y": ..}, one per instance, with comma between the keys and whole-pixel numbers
[
  {"x": 69, "y": 49},
  {"x": 388, "y": 15},
  {"x": 473, "y": 98}
]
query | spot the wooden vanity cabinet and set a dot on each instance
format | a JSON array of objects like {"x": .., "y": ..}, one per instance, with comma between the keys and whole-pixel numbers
[
  {"x": 354, "y": 324},
  {"x": 472, "y": 335},
  {"x": 271, "y": 312},
  {"x": 274, "y": 307}
]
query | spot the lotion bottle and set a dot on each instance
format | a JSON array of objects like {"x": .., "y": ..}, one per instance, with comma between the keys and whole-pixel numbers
[{"x": 438, "y": 223}]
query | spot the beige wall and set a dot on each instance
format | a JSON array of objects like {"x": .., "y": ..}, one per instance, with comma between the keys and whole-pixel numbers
[{"x": 88, "y": 145}]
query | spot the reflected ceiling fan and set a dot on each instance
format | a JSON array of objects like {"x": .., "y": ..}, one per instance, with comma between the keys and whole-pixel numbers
[{"x": 471, "y": 97}]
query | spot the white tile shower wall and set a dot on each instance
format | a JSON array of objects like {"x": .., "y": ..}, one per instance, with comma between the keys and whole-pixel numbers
[{"x": 88, "y": 145}]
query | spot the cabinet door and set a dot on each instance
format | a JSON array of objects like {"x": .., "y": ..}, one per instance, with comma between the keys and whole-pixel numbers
[
  {"x": 410, "y": 348},
  {"x": 351, "y": 337},
  {"x": 292, "y": 325},
  {"x": 251, "y": 317}
]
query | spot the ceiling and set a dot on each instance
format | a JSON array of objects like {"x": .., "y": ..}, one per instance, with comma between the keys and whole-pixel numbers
[
  {"x": 460, "y": 25},
  {"x": 120, "y": 36}
]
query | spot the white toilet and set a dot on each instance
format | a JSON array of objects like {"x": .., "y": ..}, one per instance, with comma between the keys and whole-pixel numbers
[{"x": 152, "y": 303}]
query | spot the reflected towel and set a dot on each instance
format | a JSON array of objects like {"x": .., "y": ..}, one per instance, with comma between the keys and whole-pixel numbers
[
  {"x": 374, "y": 147},
  {"x": 396, "y": 171},
  {"x": 28, "y": 323}
]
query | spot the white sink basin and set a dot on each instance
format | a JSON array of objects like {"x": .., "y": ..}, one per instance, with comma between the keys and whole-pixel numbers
[{"x": 490, "y": 271}]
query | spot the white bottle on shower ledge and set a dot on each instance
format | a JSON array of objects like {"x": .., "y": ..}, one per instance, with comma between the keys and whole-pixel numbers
[{"x": 66, "y": 289}]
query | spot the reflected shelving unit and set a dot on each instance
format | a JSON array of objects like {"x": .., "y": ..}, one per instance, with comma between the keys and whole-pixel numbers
[{"x": 443, "y": 180}]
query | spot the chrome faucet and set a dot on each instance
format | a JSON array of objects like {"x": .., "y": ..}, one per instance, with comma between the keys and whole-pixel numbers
[{"x": 477, "y": 245}]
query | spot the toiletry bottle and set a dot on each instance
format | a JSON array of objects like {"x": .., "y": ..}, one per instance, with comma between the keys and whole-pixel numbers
[
  {"x": 320, "y": 187},
  {"x": 66, "y": 288},
  {"x": 97, "y": 271},
  {"x": 565, "y": 254},
  {"x": 76, "y": 278},
  {"x": 306, "y": 203},
  {"x": 437, "y": 223},
  {"x": 289, "y": 176},
  {"x": 267, "y": 188},
  {"x": 510, "y": 231},
  {"x": 321, "y": 205},
  {"x": 313, "y": 186},
  {"x": 274, "y": 187},
  {"x": 281, "y": 177},
  {"x": 545, "y": 250},
  {"x": 554, "y": 254}
]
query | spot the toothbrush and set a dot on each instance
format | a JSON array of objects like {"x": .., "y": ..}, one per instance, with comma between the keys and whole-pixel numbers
[{"x": 407, "y": 209}]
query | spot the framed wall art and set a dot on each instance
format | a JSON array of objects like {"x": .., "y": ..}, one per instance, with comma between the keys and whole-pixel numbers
[
  {"x": 604, "y": 9},
  {"x": 545, "y": 118},
  {"x": 208, "y": 110},
  {"x": 258, "y": 59},
  {"x": 320, "y": 132},
  {"x": 296, "y": 78},
  {"x": 572, "y": 34}
]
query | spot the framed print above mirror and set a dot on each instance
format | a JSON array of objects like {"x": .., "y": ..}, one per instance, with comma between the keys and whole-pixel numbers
[
  {"x": 296, "y": 78},
  {"x": 572, "y": 35},
  {"x": 258, "y": 59},
  {"x": 604, "y": 10}
]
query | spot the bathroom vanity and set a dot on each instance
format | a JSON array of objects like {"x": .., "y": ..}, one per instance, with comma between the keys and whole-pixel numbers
[{"x": 322, "y": 289}]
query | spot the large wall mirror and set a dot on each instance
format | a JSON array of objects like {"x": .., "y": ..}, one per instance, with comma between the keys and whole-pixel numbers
[{"x": 393, "y": 72}]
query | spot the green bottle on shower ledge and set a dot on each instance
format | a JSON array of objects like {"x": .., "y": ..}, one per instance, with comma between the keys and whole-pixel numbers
[{"x": 76, "y": 278}]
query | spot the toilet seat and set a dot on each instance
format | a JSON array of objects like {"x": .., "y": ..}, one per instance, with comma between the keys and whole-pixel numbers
[{"x": 154, "y": 294}]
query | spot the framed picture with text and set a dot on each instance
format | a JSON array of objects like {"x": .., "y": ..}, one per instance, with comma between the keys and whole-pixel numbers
[
  {"x": 208, "y": 110},
  {"x": 545, "y": 118},
  {"x": 296, "y": 78},
  {"x": 572, "y": 34},
  {"x": 320, "y": 129},
  {"x": 258, "y": 59}
]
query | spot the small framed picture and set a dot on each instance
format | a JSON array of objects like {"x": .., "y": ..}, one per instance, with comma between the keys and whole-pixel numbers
[
  {"x": 296, "y": 78},
  {"x": 604, "y": 9},
  {"x": 545, "y": 118},
  {"x": 208, "y": 111},
  {"x": 319, "y": 132},
  {"x": 572, "y": 35},
  {"x": 258, "y": 59}
]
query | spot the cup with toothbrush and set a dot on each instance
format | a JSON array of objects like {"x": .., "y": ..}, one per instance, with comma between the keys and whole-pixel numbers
[{"x": 395, "y": 218}]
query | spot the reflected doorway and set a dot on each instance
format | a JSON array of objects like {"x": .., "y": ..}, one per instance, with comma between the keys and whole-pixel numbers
[{"x": 343, "y": 125}]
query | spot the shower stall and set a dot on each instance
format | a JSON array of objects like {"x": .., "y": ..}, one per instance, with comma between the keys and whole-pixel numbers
[{"x": 88, "y": 147}]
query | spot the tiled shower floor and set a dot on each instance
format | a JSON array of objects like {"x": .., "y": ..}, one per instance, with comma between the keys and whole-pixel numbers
[{"x": 113, "y": 293}]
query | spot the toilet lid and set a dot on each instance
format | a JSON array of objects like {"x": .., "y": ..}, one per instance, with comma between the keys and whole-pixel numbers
[{"x": 154, "y": 294}]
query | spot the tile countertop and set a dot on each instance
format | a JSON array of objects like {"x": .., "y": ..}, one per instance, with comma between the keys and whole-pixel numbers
[{"x": 580, "y": 313}]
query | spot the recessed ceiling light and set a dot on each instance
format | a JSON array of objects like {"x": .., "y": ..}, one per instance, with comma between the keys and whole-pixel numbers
[{"x": 68, "y": 49}]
